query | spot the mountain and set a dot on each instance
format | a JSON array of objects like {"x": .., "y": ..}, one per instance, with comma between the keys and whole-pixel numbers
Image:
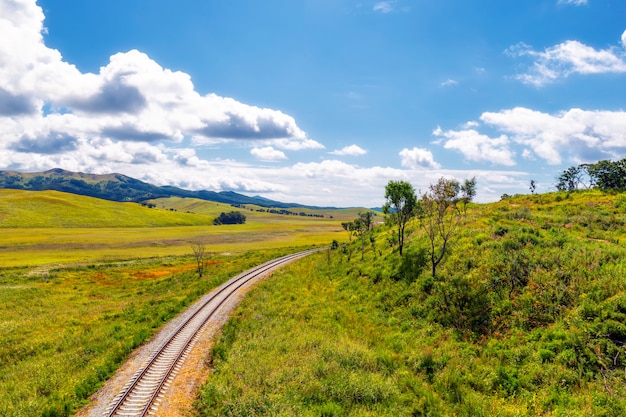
[{"x": 118, "y": 187}]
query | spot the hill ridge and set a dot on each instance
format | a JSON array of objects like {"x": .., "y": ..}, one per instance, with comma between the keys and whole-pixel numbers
[{"x": 122, "y": 188}]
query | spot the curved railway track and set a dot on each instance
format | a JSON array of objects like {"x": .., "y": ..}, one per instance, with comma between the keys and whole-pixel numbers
[{"x": 141, "y": 395}]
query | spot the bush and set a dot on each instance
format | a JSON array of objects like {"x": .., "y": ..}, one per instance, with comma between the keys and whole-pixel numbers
[{"x": 233, "y": 217}]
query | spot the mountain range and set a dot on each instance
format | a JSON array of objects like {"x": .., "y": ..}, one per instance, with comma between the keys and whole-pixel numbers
[{"x": 119, "y": 187}]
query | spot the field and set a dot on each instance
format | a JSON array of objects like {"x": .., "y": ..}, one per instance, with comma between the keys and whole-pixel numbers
[
  {"x": 526, "y": 315},
  {"x": 83, "y": 281},
  {"x": 48, "y": 227}
]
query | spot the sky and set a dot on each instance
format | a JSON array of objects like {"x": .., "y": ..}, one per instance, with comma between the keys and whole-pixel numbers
[{"x": 318, "y": 102}]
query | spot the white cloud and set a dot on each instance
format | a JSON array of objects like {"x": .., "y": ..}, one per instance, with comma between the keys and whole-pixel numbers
[
  {"x": 449, "y": 83},
  {"x": 564, "y": 59},
  {"x": 268, "y": 153},
  {"x": 352, "y": 150},
  {"x": 417, "y": 158},
  {"x": 132, "y": 98},
  {"x": 579, "y": 135},
  {"x": 624, "y": 39},
  {"x": 574, "y": 2},
  {"x": 478, "y": 147},
  {"x": 384, "y": 6},
  {"x": 575, "y": 135}
]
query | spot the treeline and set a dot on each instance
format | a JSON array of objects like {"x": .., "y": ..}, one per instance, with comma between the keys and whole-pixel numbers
[
  {"x": 283, "y": 211},
  {"x": 605, "y": 175}
]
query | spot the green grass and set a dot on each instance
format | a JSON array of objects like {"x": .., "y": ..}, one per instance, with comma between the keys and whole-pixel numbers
[
  {"x": 49, "y": 227},
  {"x": 65, "y": 331},
  {"x": 25, "y": 209},
  {"x": 84, "y": 281},
  {"x": 336, "y": 336}
]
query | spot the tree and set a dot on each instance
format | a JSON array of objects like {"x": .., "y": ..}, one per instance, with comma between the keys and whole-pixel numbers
[
  {"x": 533, "y": 186},
  {"x": 400, "y": 206},
  {"x": 234, "y": 217},
  {"x": 198, "y": 253},
  {"x": 440, "y": 218},
  {"x": 468, "y": 192},
  {"x": 348, "y": 227},
  {"x": 362, "y": 226},
  {"x": 608, "y": 175}
]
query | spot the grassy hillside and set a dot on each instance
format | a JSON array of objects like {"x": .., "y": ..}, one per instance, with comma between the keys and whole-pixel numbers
[
  {"x": 63, "y": 331},
  {"x": 57, "y": 209},
  {"x": 118, "y": 187},
  {"x": 83, "y": 281},
  {"x": 254, "y": 212},
  {"x": 49, "y": 227},
  {"x": 526, "y": 317}
]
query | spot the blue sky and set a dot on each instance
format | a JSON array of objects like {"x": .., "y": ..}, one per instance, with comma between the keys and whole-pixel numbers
[{"x": 314, "y": 101}]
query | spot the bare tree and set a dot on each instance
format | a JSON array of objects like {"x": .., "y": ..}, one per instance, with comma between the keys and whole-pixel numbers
[{"x": 198, "y": 253}]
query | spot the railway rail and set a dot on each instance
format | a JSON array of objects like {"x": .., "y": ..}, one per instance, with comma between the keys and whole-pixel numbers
[{"x": 141, "y": 395}]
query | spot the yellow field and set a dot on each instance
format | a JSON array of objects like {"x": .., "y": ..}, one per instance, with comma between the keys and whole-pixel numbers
[{"x": 49, "y": 227}]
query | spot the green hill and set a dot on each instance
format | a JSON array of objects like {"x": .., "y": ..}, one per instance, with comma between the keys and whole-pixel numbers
[
  {"x": 20, "y": 208},
  {"x": 118, "y": 187},
  {"x": 254, "y": 212},
  {"x": 526, "y": 316}
]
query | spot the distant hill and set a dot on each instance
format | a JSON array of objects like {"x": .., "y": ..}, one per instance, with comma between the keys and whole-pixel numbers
[
  {"x": 121, "y": 188},
  {"x": 22, "y": 208}
]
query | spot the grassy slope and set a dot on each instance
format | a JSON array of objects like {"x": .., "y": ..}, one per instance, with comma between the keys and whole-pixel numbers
[
  {"x": 83, "y": 281},
  {"x": 63, "y": 332},
  {"x": 251, "y": 211},
  {"x": 337, "y": 336},
  {"x": 44, "y": 227},
  {"x": 56, "y": 209}
]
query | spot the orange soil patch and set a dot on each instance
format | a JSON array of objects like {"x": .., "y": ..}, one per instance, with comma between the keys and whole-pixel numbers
[{"x": 162, "y": 272}]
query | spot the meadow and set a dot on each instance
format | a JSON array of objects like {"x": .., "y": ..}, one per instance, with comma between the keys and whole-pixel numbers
[
  {"x": 525, "y": 317},
  {"x": 84, "y": 281}
]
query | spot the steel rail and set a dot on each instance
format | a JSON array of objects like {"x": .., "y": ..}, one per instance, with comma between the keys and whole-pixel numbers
[{"x": 173, "y": 351}]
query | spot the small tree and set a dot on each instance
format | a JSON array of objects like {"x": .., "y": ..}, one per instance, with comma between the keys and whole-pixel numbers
[
  {"x": 468, "y": 192},
  {"x": 400, "y": 206},
  {"x": 348, "y": 227},
  {"x": 533, "y": 186},
  {"x": 440, "y": 218},
  {"x": 198, "y": 253},
  {"x": 362, "y": 226}
]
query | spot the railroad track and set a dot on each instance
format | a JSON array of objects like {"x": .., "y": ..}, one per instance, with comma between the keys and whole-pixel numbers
[{"x": 141, "y": 395}]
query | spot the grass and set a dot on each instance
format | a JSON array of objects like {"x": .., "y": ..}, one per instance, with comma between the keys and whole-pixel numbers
[
  {"x": 65, "y": 331},
  {"x": 84, "y": 281},
  {"x": 526, "y": 317},
  {"x": 49, "y": 227}
]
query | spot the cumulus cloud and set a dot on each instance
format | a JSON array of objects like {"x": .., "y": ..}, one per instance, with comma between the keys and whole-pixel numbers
[
  {"x": 576, "y": 135},
  {"x": 16, "y": 104},
  {"x": 624, "y": 39},
  {"x": 417, "y": 158},
  {"x": 580, "y": 135},
  {"x": 268, "y": 153},
  {"x": 567, "y": 58},
  {"x": 352, "y": 150},
  {"x": 478, "y": 147},
  {"x": 132, "y": 98},
  {"x": 52, "y": 143}
]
